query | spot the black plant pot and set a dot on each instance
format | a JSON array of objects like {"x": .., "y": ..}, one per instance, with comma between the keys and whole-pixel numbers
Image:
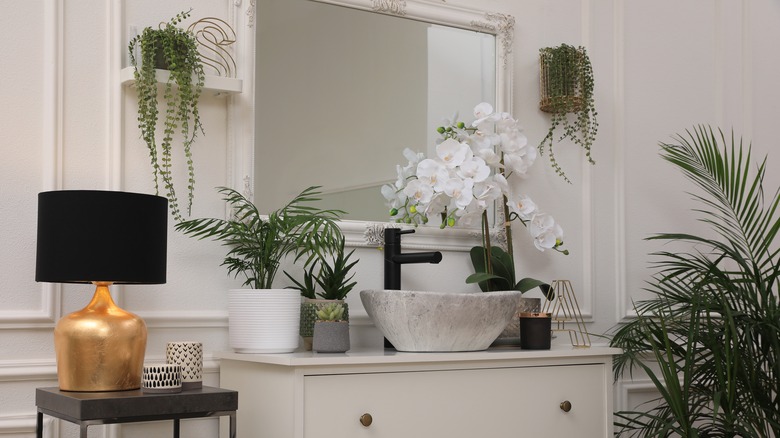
[{"x": 535, "y": 331}]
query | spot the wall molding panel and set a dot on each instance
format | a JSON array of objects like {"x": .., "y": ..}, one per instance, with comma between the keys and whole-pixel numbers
[
  {"x": 184, "y": 319},
  {"x": 619, "y": 141},
  {"x": 45, "y": 316},
  {"x": 52, "y": 144},
  {"x": 25, "y": 424},
  {"x": 28, "y": 370},
  {"x": 46, "y": 369},
  {"x": 625, "y": 388}
]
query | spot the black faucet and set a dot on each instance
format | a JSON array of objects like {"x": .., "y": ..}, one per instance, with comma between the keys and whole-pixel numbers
[{"x": 394, "y": 259}]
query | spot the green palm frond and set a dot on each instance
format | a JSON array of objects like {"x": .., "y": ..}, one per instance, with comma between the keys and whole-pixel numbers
[
  {"x": 258, "y": 243},
  {"x": 712, "y": 326}
]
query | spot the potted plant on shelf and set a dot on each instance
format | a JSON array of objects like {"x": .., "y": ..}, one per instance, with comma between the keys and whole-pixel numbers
[
  {"x": 174, "y": 49},
  {"x": 263, "y": 319},
  {"x": 331, "y": 283},
  {"x": 708, "y": 338},
  {"x": 470, "y": 172},
  {"x": 331, "y": 330},
  {"x": 566, "y": 78}
]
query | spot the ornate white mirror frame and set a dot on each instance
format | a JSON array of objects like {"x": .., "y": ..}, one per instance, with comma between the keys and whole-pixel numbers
[{"x": 241, "y": 112}]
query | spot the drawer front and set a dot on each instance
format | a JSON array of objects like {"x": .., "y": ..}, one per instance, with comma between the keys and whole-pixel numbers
[{"x": 495, "y": 403}]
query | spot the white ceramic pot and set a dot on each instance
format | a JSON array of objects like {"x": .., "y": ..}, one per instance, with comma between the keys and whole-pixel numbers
[{"x": 264, "y": 320}]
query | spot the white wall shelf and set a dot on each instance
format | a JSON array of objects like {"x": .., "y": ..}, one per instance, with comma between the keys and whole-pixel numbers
[{"x": 216, "y": 85}]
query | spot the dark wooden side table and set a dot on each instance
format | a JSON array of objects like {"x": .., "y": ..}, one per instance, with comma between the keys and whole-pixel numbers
[{"x": 93, "y": 408}]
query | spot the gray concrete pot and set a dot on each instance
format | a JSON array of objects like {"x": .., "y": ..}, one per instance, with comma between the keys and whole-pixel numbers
[
  {"x": 331, "y": 337},
  {"x": 309, "y": 308}
]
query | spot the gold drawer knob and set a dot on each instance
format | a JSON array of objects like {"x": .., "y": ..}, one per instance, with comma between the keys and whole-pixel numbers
[
  {"x": 566, "y": 406},
  {"x": 366, "y": 420}
]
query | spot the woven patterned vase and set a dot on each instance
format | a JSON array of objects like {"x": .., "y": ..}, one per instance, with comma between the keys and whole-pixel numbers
[{"x": 190, "y": 356}]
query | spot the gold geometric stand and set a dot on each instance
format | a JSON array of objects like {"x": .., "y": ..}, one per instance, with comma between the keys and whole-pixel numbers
[
  {"x": 215, "y": 40},
  {"x": 564, "y": 308}
]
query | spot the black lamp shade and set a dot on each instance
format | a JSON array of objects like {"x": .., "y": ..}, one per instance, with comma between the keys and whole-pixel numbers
[{"x": 90, "y": 235}]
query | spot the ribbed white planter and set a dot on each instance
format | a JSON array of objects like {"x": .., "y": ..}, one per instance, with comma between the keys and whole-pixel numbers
[{"x": 264, "y": 320}]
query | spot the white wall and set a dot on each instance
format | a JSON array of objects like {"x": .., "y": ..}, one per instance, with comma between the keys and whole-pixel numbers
[{"x": 66, "y": 123}]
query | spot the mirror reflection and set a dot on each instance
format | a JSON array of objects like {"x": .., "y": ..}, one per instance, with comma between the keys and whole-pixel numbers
[{"x": 341, "y": 92}]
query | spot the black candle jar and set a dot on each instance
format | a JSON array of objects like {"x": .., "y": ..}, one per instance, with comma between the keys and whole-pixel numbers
[{"x": 535, "y": 330}]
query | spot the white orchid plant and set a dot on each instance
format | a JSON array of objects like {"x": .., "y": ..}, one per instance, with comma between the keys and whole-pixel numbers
[{"x": 468, "y": 174}]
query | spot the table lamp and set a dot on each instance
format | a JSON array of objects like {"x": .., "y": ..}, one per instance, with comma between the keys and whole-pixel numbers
[{"x": 101, "y": 237}]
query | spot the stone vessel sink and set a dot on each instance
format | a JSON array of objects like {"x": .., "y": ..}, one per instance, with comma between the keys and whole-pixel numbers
[{"x": 423, "y": 321}]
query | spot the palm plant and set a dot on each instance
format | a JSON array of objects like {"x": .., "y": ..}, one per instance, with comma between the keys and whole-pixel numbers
[
  {"x": 333, "y": 276},
  {"x": 713, "y": 325},
  {"x": 258, "y": 243}
]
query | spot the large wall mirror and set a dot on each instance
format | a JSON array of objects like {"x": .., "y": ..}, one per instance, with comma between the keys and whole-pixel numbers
[{"x": 342, "y": 87}]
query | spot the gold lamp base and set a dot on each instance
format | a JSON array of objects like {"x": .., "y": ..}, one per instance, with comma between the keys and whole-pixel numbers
[{"x": 100, "y": 347}]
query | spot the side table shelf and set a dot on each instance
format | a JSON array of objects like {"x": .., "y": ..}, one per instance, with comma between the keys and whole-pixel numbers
[{"x": 93, "y": 408}]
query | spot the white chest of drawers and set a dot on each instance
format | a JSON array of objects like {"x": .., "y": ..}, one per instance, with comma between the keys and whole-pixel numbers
[{"x": 496, "y": 393}]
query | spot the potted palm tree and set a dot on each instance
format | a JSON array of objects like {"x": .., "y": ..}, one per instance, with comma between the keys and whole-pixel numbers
[
  {"x": 709, "y": 338},
  {"x": 331, "y": 283},
  {"x": 263, "y": 319}
]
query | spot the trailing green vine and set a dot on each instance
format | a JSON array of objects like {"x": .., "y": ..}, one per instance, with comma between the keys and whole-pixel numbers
[
  {"x": 173, "y": 49},
  {"x": 567, "y": 87}
]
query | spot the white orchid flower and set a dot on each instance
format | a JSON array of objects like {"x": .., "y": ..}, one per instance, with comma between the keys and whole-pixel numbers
[
  {"x": 516, "y": 163},
  {"x": 504, "y": 122},
  {"x": 500, "y": 181},
  {"x": 460, "y": 190},
  {"x": 472, "y": 215},
  {"x": 483, "y": 112},
  {"x": 404, "y": 173},
  {"x": 390, "y": 194},
  {"x": 513, "y": 140},
  {"x": 486, "y": 191},
  {"x": 475, "y": 169},
  {"x": 490, "y": 157},
  {"x": 523, "y": 206},
  {"x": 418, "y": 191},
  {"x": 466, "y": 175},
  {"x": 437, "y": 205},
  {"x": 432, "y": 173},
  {"x": 546, "y": 233},
  {"x": 452, "y": 152},
  {"x": 413, "y": 157},
  {"x": 482, "y": 140}
]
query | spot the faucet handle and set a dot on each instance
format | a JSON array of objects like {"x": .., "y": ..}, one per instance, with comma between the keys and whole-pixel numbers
[{"x": 393, "y": 235}]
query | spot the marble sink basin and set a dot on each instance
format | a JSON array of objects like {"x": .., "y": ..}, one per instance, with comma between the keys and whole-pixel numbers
[{"x": 424, "y": 321}]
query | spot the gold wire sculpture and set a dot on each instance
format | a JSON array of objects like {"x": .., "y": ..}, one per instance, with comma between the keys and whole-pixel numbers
[
  {"x": 215, "y": 37},
  {"x": 564, "y": 308}
]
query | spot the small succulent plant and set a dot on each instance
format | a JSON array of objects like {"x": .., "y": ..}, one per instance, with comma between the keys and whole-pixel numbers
[{"x": 332, "y": 312}]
